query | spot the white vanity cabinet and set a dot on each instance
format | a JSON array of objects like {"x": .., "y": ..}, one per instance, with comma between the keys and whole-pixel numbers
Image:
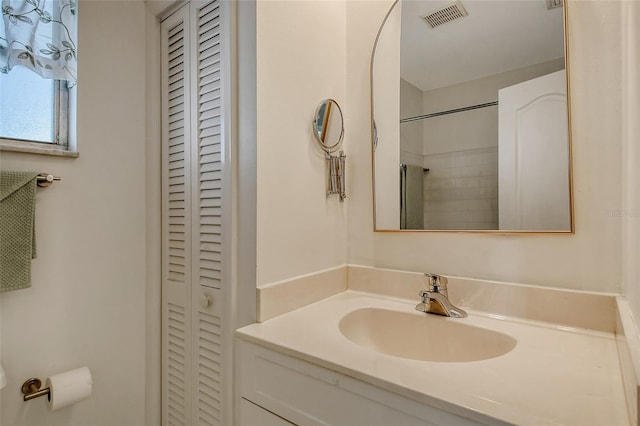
[
  {"x": 288, "y": 389},
  {"x": 254, "y": 415}
]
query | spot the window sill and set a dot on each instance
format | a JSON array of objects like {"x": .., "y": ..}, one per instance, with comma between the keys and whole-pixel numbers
[{"x": 36, "y": 148}]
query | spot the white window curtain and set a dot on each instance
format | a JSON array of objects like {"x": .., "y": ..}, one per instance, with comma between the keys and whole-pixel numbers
[{"x": 40, "y": 35}]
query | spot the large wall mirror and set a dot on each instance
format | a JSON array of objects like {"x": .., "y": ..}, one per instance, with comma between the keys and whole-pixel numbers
[{"x": 470, "y": 117}]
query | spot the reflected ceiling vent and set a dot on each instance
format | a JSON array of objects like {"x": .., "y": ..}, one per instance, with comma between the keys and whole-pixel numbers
[
  {"x": 552, "y": 4},
  {"x": 447, "y": 13}
]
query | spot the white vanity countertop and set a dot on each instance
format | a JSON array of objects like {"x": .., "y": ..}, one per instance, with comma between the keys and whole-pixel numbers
[{"x": 554, "y": 376}]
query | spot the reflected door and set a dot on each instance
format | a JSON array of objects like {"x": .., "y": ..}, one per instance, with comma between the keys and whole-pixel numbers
[{"x": 533, "y": 155}]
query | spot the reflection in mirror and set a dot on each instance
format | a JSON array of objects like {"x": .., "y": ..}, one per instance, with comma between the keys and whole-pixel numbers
[
  {"x": 469, "y": 100},
  {"x": 327, "y": 125}
]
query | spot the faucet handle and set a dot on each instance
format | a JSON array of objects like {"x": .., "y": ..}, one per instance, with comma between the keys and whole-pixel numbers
[{"x": 437, "y": 283}]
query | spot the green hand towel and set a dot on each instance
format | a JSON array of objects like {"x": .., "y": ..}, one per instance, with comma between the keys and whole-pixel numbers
[{"x": 17, "y": 231}]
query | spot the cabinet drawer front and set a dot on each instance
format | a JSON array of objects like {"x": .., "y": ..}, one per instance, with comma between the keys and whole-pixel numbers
[
  {"x": 254, "y": 415},
  {"x": 306, "y": 394}
]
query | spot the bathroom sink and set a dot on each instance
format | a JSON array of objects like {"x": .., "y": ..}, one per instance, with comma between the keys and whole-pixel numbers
[{"x": 423, "y": 337}]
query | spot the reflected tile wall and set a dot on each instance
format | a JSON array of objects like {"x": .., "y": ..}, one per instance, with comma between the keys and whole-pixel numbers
[{"x": 461, "y": 190}]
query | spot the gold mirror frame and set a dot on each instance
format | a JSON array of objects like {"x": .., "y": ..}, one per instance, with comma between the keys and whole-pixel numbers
[{"x": 374, "y": 143}]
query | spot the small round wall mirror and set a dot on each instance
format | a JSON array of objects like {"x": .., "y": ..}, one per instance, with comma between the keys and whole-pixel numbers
[{"x": 328, "y": 125}]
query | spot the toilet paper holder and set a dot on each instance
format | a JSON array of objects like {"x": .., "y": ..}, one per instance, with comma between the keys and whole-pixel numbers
[{"x": 31, "y": 389}]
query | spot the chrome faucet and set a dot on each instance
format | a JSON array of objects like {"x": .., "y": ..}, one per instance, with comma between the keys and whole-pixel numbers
[{"x": 436, "y": 300}]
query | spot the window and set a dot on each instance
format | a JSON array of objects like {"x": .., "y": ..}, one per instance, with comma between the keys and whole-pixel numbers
[
  {"x": 37, "y": 75},
  {"x": 33, "y": 108}
]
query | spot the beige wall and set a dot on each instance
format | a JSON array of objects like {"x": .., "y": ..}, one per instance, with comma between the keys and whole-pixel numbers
[
  {"x": 300, "y": 61},
  {"x": 477, "y": 128},
  {"x": 86, "y": 305},
  {"x": 588, "y": 260},
  {"x": 387, "y": 118},
  {"x": 153, "y": 215},
  {"x": 411, "y": 134},
  {"x": 630, "y": 211}
]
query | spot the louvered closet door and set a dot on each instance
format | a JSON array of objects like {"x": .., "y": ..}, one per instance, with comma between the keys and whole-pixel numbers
[
  {"x": 196, "y": 189},
  {"x": 211, "y": 219},
  {"x": 176, "y": 214}
]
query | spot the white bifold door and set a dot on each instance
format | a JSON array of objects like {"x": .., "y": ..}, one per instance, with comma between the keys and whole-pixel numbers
[{"x": 196, "y": 236}]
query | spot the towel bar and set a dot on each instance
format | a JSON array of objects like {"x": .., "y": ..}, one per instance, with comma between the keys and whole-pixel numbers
[{"x": 45, "y": 179}]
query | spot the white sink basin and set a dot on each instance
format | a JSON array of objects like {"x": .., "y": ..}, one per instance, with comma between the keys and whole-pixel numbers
[{"x": 423, "y": 337}]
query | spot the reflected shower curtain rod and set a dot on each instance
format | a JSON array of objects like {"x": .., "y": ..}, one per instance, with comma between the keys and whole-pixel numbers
[
  {"x": 451, "y": 111},
  {"x": 404, "y": 166}
]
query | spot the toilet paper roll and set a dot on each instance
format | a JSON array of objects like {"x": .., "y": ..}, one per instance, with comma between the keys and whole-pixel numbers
[{"x": 69, "y": 387}]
